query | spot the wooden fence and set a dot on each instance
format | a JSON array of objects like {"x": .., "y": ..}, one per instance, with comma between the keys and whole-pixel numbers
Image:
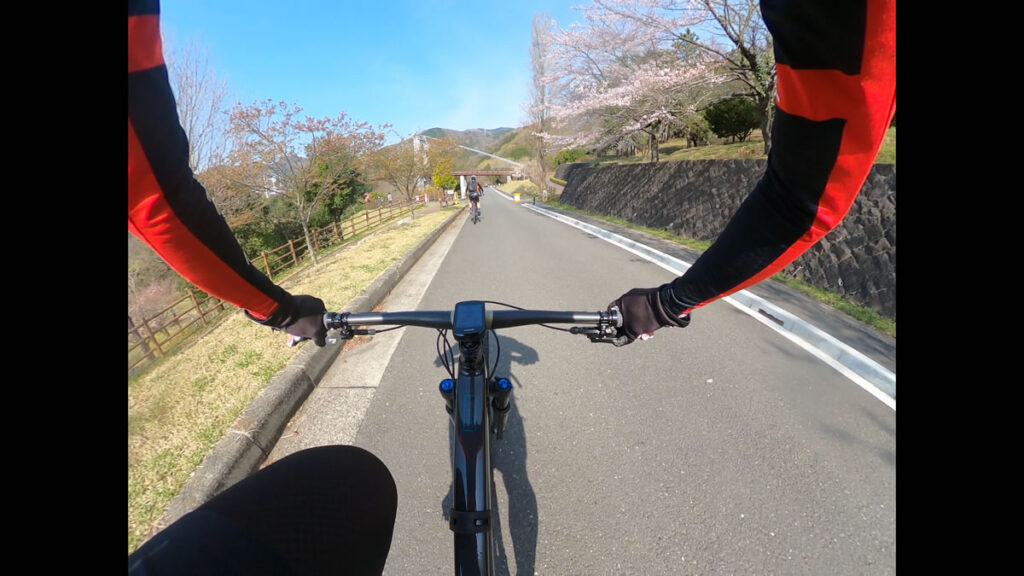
[
  {"x": 283, "y": 259},
  {"x": 167, "y": 330},
  {"x": 171, "y": 327}
]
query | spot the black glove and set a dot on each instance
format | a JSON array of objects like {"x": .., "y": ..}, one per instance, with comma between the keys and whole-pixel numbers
[
  {"x": 300, "y": 316},
  {"x": 643, "y": 312}
]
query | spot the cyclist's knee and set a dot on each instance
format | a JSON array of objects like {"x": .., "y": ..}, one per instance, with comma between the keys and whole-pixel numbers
[
  {"x": 350, "y": 464},
  {"x": 318, "y": 473},
  {"x": 318, "y": 510}
]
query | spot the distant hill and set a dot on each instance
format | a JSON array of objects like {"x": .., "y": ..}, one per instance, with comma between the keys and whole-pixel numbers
[
  {"x": 504, "y": 142},
  {"x": 480, "y": 138}
]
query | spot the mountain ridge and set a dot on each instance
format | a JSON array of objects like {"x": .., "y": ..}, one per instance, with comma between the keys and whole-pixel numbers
[
  {"x": 489, "y": 140},
  {"x": 480, "y": 138}
]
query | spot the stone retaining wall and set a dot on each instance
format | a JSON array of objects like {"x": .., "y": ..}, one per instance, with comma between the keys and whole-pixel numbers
[{"x": 696, "y": 198}]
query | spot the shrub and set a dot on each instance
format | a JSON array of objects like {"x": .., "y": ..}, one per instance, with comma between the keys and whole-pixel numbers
[
  {"x": 734, "y": 118},
  {"x": 568, "y": 156}
]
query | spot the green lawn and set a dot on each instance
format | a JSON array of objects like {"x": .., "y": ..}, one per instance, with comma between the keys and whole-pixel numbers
[{"x": 676, "y": 150}]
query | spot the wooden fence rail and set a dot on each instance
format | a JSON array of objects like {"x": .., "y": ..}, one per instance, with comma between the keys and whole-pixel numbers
[
  {"x": 170, "y": 328},
  {"x": 283, "y": 259}
]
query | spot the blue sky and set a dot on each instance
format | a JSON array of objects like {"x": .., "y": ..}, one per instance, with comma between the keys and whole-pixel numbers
[{"x": 415, "y": 64}]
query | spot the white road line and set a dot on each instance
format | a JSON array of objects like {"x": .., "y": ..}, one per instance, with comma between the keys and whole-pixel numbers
[{"x": 861, "y": 370}]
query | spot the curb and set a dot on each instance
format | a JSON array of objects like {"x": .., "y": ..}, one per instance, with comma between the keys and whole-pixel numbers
[{"x": 247, "y": 444}]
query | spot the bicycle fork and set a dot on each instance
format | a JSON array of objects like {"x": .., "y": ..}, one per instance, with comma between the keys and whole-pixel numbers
[
  {"x": 501, "y": 401},
  {"x": 499, "y": 393}
]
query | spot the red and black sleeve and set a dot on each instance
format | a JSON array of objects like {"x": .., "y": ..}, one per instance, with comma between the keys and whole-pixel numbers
[
  {"x": 167, "y": 207},
  {"x": 836, "y": 85}
]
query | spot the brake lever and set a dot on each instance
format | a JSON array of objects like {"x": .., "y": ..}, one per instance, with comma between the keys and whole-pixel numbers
[
  {"x": 337, "y": 321},
  {"x": 596, "y": 334},
  {"x": 604, "y": 340},
  {"x": 347, "y": 333}
]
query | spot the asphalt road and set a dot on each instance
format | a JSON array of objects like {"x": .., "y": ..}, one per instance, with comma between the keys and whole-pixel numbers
[{"x": 728, "y": 447}]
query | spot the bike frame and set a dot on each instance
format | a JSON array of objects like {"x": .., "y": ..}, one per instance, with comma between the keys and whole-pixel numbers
[
  {"x": 478, "y": 404},
  {"x": 472, "y": 474}
]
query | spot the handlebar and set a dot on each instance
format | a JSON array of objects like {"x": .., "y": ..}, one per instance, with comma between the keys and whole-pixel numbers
[{"x": 598, "y": 326}]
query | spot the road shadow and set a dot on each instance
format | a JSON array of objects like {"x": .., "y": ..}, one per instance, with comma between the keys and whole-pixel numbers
[{"x": 508, "y": 458}]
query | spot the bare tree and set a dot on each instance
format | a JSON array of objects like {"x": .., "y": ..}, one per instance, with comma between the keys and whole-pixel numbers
[
  {"x": 540, "y": 86},
  {"x": 201, "y": 97},
  {"x": 405, "y": 166},
  {"x": 298, "y": 158},
  {"x": 237, "y": 202}
]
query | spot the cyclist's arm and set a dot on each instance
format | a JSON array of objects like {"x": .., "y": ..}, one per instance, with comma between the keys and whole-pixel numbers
[
  {"x": 836, "y": 78},
  {"x": 167, "y": 207}
]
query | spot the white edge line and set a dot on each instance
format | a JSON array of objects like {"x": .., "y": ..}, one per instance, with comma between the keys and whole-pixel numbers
[{"x": 754, "y": 306}]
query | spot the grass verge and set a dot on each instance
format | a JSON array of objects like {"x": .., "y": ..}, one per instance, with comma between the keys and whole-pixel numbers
[
  {"x": 182, "y": 407},
  {"x": 676, "y": 149}
]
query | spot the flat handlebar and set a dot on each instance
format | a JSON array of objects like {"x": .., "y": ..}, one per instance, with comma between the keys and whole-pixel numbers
[{"x": 597, "y": 325}]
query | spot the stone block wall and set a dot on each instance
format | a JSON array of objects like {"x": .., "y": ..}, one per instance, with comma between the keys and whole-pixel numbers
[{"x": 696, "y": 198}]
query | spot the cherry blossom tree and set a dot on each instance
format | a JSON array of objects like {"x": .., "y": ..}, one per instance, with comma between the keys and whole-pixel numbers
[
  {"x": 736, "y": 37},
  {"x": 622, "y": 82},
  {"x": 299, "y": 158}
]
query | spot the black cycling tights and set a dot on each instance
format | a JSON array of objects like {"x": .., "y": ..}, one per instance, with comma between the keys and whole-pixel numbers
[{"x": 325, "y": 510}]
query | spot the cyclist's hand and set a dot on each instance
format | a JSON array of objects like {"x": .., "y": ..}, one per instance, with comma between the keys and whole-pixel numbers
[
  {"x": 308, "y": 320},
  {"x": 642, "y": 313},
  {"x": 300, "y": 316}
]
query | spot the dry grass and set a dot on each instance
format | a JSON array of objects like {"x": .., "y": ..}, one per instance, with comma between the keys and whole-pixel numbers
[
  {"x": 524, "y": 187},
  {"x": 178, "y": 411}
]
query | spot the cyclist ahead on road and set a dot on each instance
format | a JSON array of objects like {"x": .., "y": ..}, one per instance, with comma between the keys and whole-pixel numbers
[
  {"x": 332, "y": 509},
  {"x": 475, "y": 191}
]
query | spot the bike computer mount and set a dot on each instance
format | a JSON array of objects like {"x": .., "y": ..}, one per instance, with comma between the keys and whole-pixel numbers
[{"x": 469, "y": 320}]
